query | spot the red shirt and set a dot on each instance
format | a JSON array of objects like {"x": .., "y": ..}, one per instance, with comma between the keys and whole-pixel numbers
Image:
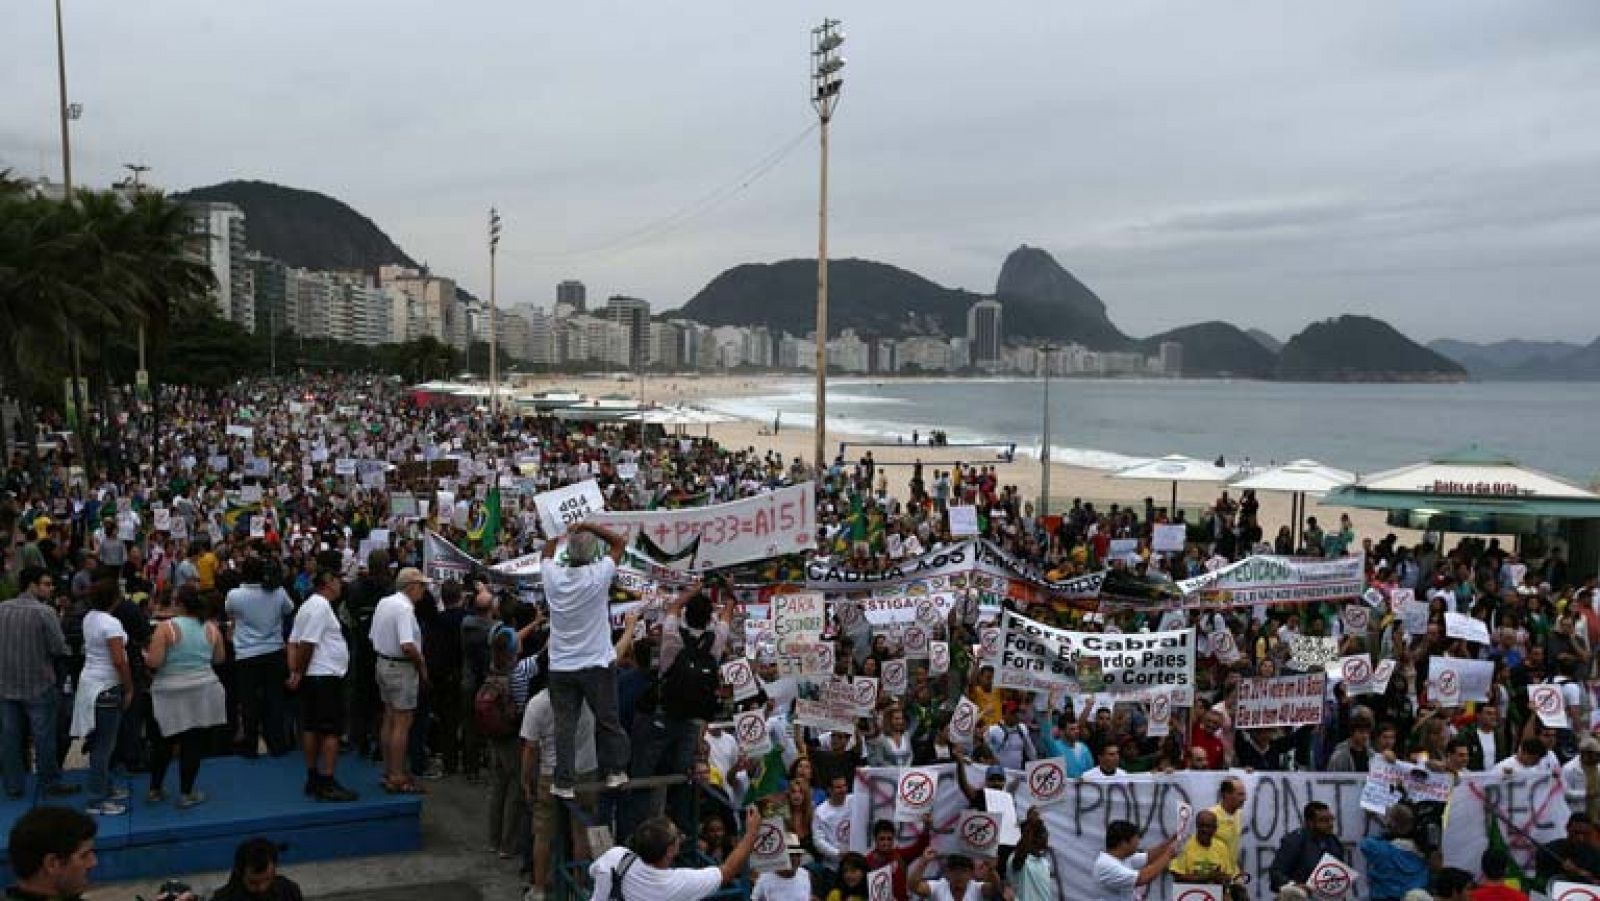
[
  {"x": 901, "y": 858},
  {"x": 1496, "y": 893},
  {"x": 1200, "y": 738}
]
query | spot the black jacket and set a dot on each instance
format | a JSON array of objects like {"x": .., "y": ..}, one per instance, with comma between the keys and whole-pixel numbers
[{"x": 1298, "y": 855}]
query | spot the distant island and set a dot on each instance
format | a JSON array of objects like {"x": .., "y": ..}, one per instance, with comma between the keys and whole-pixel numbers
[{"x": 883, "y": 319}]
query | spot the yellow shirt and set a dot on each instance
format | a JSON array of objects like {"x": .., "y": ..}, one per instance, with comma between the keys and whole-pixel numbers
[
  {"x": 1202, "y": 864},
  {"x": 206, "y": 566},
  {"x": 989, "y": 708},
  {"x": 1228, "y": 830}
]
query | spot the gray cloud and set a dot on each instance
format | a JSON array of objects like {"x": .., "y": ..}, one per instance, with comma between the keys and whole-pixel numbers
[{"x": 1433, "y": 162}]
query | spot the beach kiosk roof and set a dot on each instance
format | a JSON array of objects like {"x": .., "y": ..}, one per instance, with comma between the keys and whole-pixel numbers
[
  {"x": 1298, "y": 477},
  {"x": 1482, "y": 492}
]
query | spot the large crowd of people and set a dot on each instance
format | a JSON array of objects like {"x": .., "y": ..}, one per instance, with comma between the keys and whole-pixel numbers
[{"x": 223, "y": 582}]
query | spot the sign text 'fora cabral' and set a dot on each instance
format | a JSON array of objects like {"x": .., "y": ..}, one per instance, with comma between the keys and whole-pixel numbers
[{"x": 1033, "y": 656}]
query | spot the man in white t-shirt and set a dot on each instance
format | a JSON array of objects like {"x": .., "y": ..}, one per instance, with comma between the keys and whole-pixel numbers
[
  {"x": 645, "y": 865},
  {"x": 538, "y": 734},
  {"x": 401, "y": 671},
  {"x": 318, "y": 660},
  {"x": 958, "y": 883},
  {"x": 826, "y": 819},
  {"x": 1107, "y": 768},
  {"x": 1121, "y": 869},
  {"x": 793, "y": 884},
  {"x": 582, "y": 658}
]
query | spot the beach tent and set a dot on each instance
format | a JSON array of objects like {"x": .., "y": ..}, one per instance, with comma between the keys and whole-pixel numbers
[
  {"x": 1177, "y": 468},
  {"x": 1299, "y": 478}
]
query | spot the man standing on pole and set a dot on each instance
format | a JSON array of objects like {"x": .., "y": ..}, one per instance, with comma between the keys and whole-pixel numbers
[{"x": 582, "y": 659}]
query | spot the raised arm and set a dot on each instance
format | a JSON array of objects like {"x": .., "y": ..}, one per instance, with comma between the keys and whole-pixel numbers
[
  {"x": 617, "y": 542},
  {"x": 1159, "y": 858},
  {"x": 733, "y": 866}
]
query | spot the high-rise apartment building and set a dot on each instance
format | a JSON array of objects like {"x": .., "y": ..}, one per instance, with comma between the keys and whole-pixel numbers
[
  {"x": 435, "y": 306},
  {"x": 572, "y": 293},
  {"x": 985, "y": 335},
  {"x": 634, "y": 314},
  {"x": 217, "y": 237}
]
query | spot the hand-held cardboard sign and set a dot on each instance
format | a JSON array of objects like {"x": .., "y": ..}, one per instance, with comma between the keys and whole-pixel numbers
[
  {"x": 1047, "y": 780},
  {"x": 1547, "y": 702},
  {"x": 738, "y": 676},
  {"x": 978, "y": 833},
  {"x": 771, "y": 853},
  {"x": 1332, "y": 878},
  {"x": 914, "y": 794}
]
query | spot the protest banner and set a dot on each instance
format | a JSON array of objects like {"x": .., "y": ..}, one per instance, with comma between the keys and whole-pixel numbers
[
  {"x": 893, "y": 677},
  {"x": 1272, "y": 579},
  {"x": 1033, "y": 655},
  {"x": 750, "y": 728},
  {"x": 563, "y": 508},
  {"x": 1546, "y": 701},
  {"x": 1169, "y": 537},
  {"x": 914, "y": 795},
  {"x": 1469, "y": 628},
  {"x": 1356, "y": 619},
  {"x": 1356, "y": 671},
  {"x": 1526, "y": 808},
  {"x": 1459, "y": 680},
  {"x": 1311, "y": 653},
  {"x": 914, "y": 641},
  {"x": 771, "y": 851},
  {"x": 963, "y": 521},
  {"x": 1332, "y": 879},
  {"x": 938, "y": 658},
  {"x": 821, "y": 716},
  {"x": 738, "y": 676},
  {"x": 749, "y": 529},
  {"x": 902, "y": 607},
  {"x": 1285, "y": 701},
  {"x": 963, "y": 721},
  {"x": 1414, "y": 614},
  {"x": 798, "y": 617},
  {"x": 1077, "y": 822},
  {"x": 968, "y": 563},
  {"x": 1390, "y": 783}
]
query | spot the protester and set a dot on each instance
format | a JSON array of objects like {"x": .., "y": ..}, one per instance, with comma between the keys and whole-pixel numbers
[
  {"x": 400, "y": 671},
  {"x": 187, "y": 695},
  {"x": 105, "y": 689},
  {"x": 1494, "y": 887},
  {"x": 1122, "y": 869},
  {"x": 318, "y": 661},
  {"x": 644, "y": 867},
  {"x": 1301, "y": 849},
  {"x": 255, "y": 875},
  {"x": 31, "y": 641},
  {"x": 258, "y": 612},
  {"x": 51, "y": 850}
]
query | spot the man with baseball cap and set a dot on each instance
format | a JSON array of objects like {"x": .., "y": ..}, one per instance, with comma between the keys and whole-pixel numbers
[{"x": 401, "y": 670}]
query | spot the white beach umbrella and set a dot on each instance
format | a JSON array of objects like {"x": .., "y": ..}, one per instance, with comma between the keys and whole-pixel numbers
[
  {"x": 1177, "y": 468},
  {"x": 1299, "y": 478}
]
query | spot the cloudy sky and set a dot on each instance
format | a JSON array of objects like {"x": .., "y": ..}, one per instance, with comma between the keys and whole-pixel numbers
[{"x": 1433, "y": 162}]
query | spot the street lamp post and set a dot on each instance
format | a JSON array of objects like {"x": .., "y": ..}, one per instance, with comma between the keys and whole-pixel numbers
[
  {"x": 1045, "y": 352},
  {"x": 825, "y": 85},
  {"x": 494, "y": 350}
]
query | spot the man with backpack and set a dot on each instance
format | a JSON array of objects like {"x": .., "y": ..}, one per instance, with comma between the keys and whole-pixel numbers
[
  {"x": 582, "y": 659},
  {"x": 672, "y": 715},
  {"x": 643, "y": 870}
]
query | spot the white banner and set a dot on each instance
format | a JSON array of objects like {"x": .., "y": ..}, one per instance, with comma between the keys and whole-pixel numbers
[
  {"x": 1526, "y": 806},
  {"x": 1470, "y": 628},
  {"x": 564, "y": 508},
  {"x": 1285, "y": 701},
  {"x": 1033, "y": 656},
  {"x": 963, "y": 521},
  {"x": 1454, "y": 680},
  {"x": 1169, "y": 537},
  {"x": 1077, "y": 820},
  {"x": 753, "y": 528},
  {"x": 1270, "y": 579}
]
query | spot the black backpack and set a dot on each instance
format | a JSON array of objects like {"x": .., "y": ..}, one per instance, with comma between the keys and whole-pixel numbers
[{"x": 688, "y": 689}]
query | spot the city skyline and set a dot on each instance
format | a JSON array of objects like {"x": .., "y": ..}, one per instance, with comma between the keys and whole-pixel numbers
[{"x": 1430, "y": 165}]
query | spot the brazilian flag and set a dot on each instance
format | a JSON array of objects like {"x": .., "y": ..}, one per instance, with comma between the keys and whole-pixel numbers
[
  {"x": 486, "y": 532},
  {"x": 770, "y": 779}
]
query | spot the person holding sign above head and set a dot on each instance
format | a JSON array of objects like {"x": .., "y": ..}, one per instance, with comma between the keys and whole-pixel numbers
[
  {"x": 958, "y": 883},
  {"x": 1122, "y": 869},
  {"x": 582, "y": 658}
]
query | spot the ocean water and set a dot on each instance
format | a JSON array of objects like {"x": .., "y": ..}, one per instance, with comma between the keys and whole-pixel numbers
[{"x": 1107, "y": 424}]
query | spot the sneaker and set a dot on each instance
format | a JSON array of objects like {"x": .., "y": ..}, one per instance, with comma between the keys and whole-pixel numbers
[
  {"x": 107, "y": 808},
  {"x": 118, "y": 794},
  {"x": 154, "y": 796},
  {"x": 563, "y": 792},
  {"x": 333, "y": 792},
  {"x": 192, "y": 799},
  {"x": 616, "y": 780},
  {"x": 61, "y": 789}
]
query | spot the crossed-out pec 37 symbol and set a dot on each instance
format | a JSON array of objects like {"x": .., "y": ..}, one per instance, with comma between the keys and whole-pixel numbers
[
  {"x": 926, "y": 612},
  {"x": 770, "y": 839},
  {"x": 979, "y": 831},
  {"x": 894, "y": 671},
  {"x": 751, "y": 729},
  {"x": 1195, "y": 894},
  {"x": 1449, "y": 682},
  {"x": 1046, "y": 780},
  {"x": 1357, "y": 671},
  {"x": 739, "y": 675},
  {"x": 1547, "y": 700},
  {"x": 883, "y": 887},
  {"x": 1161, "y": 708},
  {"x": 1330, "y": 880},
  {"x": 962, "y": 721},
  {"x": 916, "y": 789},
  {"x": 865, "y": 692},
  {"x": 1578, "y": 893}
]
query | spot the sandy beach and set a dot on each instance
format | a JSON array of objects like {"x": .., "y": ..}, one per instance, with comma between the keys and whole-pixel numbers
[{"x": 1066, "y": 482}]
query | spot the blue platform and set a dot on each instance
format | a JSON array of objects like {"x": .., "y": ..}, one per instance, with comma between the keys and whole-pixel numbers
[{"x": 245, "y": 798}]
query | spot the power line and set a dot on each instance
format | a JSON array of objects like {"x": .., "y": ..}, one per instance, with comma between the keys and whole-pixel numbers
[{"x": 670, "y": 223}]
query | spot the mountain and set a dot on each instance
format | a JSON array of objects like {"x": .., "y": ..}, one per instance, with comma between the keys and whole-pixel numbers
[
  {"x": 1212, "y": 349},
  {"x": 1361, "y": 349},
  {"x": 304, "y": 228},
  {"x": 1264, "y": 339},
  {"x": 873, "y": 298},
  {"x": 1580, "y": 365},
  {"x": 1044, "y": 300},
  {"x": 1509, "y": 359}
]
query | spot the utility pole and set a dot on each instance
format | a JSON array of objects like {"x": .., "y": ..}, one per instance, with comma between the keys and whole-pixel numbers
[
  {"x": 1045, "y": 352},
  {"x": 825, "y": 86},
  {"x": 494, "y": 350}
]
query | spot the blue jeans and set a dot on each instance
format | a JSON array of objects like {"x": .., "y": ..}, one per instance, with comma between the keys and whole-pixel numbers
[
  {"x": 103, "y": 741},
  {"x": 38, "y": 718}
]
